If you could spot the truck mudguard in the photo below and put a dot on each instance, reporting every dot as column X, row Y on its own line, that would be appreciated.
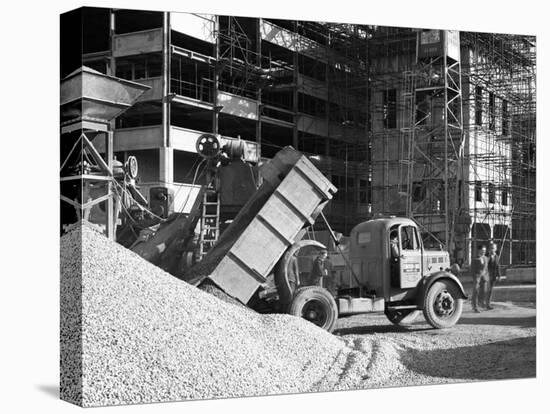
column 281, row 269
column 430, row 280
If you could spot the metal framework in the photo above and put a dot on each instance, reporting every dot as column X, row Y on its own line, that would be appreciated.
column 437, row 150
column 461, row 159
column 501, row 72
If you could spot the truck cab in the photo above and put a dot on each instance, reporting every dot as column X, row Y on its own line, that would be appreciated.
column 387, row 254
column 392, row 271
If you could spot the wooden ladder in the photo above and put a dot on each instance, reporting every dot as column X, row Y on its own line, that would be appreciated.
column 209, row 222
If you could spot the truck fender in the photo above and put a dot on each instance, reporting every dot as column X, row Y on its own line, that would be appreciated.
column 430, row 280
column 281, row 269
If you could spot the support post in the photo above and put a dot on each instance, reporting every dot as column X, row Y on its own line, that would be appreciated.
column 111, row 220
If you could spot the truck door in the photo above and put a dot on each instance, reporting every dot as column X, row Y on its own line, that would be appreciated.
column 410, row 259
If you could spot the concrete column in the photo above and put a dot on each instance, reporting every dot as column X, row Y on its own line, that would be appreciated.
column 166, row 79
column 112, row 62
column 166, row 165
column 166, row 159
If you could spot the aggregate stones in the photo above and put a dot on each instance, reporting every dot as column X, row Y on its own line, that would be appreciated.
column 146, row 336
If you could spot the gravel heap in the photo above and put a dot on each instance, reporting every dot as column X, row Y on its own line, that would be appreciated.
column 147, row 336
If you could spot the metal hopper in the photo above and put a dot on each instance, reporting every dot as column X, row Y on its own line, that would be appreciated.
column 89, row 95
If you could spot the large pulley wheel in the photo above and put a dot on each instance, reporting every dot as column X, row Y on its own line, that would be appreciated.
column 131, row 167
column 443, row 304
column 316, row 305
column 402, row 317
column 208, row 146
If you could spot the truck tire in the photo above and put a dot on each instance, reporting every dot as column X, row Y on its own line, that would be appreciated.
column 316, row 305
column 403, row 317
column 443, row 304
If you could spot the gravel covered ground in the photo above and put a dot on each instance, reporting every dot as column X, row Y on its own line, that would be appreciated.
column 494, row 344
column 147, row 336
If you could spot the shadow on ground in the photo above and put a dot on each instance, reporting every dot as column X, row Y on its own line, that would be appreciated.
column 373, row 329
column 49, row 389
column 366, row 327
column 515, row 358
column 523, row 322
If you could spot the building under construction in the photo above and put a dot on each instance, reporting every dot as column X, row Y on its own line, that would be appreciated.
column 436, row 125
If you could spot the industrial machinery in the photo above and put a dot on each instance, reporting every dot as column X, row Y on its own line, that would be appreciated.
column 93, row 184
column 98, row 188
column 173, row 243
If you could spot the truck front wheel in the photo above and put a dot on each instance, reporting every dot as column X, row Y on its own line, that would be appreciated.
column 316, row 305
column 443, row 304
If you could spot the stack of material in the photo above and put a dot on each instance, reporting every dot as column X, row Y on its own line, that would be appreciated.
column 147, row 336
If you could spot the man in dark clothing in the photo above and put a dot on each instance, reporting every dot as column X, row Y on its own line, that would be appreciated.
column 319, row 270
column 394, row 264
column 394, row 245
column 480, row 275
column 293, row 273
column 494, row 273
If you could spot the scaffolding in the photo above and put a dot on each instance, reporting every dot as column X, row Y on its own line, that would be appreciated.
column 325, row 81
column 453, row 139
column 392, row 108
column 501, row 72
column 446, row 139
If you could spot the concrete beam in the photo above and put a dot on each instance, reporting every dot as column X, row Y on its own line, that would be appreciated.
column 238, row 106
column 146, row 41
column 128, row 139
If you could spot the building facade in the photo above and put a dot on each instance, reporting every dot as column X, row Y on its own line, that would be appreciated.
column 269, row 83
column 435, row 125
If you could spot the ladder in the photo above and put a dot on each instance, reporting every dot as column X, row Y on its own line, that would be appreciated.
column 209, row 222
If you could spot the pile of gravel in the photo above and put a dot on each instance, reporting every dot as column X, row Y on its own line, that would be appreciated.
column 147, row 336
column 131, row 333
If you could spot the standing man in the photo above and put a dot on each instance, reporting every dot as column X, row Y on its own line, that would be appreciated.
column 480, row 275
column 394, row 245
column 319, row 269
column 293, row 273
column 494, row 272
column 394, row 264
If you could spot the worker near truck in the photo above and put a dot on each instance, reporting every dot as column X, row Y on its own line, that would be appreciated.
column 394, row 245
column 480, row 275
column 493, row 266
column 394, row 258
column 293, row 273
column 319, row 268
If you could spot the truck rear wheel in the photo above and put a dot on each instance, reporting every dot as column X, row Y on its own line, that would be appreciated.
column 443, row 304
column 402, row 317
column 316, row 305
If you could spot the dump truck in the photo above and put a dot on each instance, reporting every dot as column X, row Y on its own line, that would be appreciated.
column 389, row 269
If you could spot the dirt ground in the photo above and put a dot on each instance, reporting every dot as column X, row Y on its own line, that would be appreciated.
column 493, row 344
